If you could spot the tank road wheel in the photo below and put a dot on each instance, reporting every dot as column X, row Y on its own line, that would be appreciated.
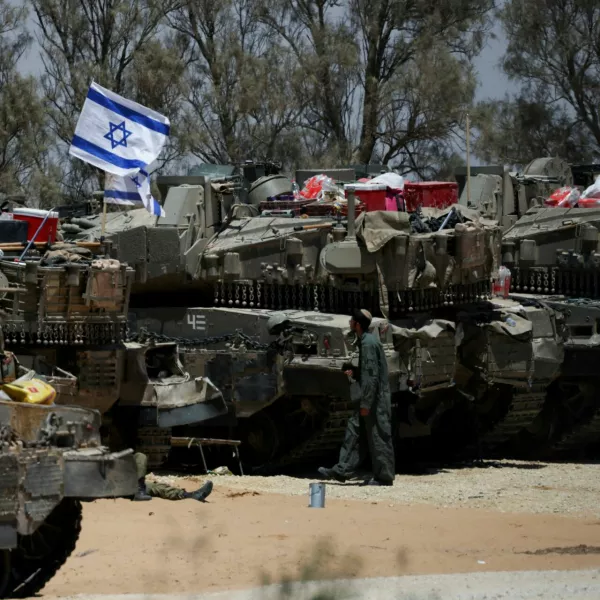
column 260, row 440
column 40, row 555
column 579, row 418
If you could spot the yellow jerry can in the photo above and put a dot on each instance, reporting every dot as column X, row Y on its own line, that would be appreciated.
column 31, row 391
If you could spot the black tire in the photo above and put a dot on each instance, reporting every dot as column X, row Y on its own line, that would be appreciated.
column 39, row 556
column 260, row 440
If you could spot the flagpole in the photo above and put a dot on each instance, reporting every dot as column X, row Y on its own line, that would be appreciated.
column 103, row 218
column 468, row 162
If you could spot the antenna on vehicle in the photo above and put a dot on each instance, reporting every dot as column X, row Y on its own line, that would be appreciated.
column 468, row 161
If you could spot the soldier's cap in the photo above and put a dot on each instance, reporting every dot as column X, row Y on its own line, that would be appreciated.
column 363, row 317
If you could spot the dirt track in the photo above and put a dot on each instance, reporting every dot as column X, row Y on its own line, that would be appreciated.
column 246, row 530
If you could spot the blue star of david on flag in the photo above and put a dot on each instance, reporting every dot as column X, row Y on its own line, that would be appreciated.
column 110, row 136
column 136, row 134
column 136, row 180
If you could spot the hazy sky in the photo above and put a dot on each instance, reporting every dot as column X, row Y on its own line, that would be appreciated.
column 492, row 82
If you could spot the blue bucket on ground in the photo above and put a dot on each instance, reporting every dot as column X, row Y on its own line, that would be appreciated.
column 316, row 493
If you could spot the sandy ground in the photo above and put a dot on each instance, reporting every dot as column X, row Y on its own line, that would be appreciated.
column 513, row 517
column 513, row 585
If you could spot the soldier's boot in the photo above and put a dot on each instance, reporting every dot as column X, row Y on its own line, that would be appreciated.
column 376, row 482
column 203, row 493
column 331, row 474
column 141, row 494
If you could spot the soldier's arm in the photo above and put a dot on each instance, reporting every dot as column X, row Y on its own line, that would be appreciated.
column 348, row 366
column 369, row 376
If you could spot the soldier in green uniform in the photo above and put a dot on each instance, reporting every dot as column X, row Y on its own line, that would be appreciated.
column 161, row 490
column 371, row 426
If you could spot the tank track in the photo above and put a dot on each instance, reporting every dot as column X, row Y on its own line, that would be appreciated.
column 524, row 408
column 26, row 579
column 526, row 405
column 584, row 433
column 326, row 440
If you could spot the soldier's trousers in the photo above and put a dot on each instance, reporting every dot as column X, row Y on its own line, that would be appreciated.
column 372, row 434
column 158, row 490
column 164, row 491
column 352, row 452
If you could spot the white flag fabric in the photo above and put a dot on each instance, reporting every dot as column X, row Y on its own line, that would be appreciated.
column 132, row 190
column 117, row 135
column 121, row 190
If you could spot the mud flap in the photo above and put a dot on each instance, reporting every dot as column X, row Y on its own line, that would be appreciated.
column 94, row 473
column 184, row 403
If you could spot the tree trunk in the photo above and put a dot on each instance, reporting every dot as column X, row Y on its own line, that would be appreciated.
column 368, row 136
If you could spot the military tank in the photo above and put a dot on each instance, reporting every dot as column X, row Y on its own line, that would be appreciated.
column 554, row 259
column 51, row 460
column 552, row 254
column 66, row 308
column 505, row 196
column 468, row 372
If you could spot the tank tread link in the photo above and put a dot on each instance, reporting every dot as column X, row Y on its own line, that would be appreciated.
column 327, row 439
column 522, row 412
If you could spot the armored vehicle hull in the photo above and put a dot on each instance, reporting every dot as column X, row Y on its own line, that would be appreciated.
column 468, row 372
column 463, row 379
column 554, row 257
column 67, row 311
column 50, row 461
column 569, row 424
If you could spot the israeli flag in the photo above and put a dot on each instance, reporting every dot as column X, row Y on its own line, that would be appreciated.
column 117, row 135
column 132, row 190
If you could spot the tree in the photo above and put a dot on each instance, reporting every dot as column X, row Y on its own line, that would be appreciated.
column 240, row 81
column 518, row 129
column 554, row 52
column 22, row 114
column 416, row 72
column 391, row 76
column 423, row 123
column 124, row 47
column 326, row 52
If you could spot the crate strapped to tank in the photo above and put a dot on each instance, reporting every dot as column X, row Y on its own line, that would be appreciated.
column 68, row 303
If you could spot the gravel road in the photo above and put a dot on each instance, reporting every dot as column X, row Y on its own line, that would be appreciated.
column 504, row 486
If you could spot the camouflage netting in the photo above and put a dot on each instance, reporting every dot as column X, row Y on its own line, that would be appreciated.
column 466, row 251
column 377, row 228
